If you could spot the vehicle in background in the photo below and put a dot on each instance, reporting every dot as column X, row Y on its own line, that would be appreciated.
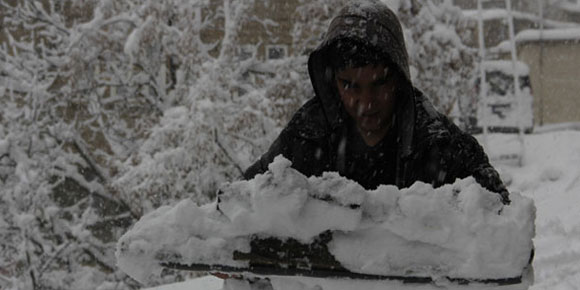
column 501, row 111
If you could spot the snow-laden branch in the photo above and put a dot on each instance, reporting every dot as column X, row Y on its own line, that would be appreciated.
column 229, row 152
column 56, row 253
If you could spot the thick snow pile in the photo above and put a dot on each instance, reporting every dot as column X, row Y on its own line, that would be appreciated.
column 458, row 230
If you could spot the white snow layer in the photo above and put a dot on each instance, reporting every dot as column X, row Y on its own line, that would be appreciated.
column 458, row 230
column 507, row 67
column 562, row 34
column 502, row 14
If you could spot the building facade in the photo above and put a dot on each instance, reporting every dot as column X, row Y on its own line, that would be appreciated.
column 547, row 40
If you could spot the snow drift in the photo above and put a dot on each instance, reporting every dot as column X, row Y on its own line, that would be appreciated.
column 457, row 230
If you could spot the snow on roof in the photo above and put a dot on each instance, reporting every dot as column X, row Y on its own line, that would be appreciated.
column 549, row 34
column 506, row 66
column 492, row 14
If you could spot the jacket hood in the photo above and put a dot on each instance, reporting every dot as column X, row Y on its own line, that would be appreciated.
column 371, row 23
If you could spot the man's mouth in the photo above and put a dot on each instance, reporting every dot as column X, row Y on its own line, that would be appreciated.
column 370, row 119
column 369, row 114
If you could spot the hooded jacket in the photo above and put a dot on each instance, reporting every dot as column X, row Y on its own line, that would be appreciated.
column 428, row 147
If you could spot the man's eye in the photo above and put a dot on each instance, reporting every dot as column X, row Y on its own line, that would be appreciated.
column 346, row 85
column 380, row 82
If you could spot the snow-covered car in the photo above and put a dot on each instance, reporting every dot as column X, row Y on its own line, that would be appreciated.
column 502, row 110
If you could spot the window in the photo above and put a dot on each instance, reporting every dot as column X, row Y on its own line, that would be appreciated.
column 246, row 51
column 277, row 51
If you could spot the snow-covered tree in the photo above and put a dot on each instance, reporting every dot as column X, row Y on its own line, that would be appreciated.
column 112, row 108
column 61, row 130
column 228, row 112
column 443, row 66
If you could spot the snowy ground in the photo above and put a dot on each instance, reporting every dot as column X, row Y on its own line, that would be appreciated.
column 550, row 174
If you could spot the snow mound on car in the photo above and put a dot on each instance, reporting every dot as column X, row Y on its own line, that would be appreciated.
column 457, row 230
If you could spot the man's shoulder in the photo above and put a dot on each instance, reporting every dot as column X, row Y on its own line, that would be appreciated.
column 431, row 125
column 424, row 107
column 309, row 122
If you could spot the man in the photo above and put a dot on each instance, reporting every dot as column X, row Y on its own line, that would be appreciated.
column 367, row 121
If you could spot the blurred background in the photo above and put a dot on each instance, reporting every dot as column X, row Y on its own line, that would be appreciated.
column 109, row 109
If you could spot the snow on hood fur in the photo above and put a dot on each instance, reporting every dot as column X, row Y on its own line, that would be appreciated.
column 372, row 23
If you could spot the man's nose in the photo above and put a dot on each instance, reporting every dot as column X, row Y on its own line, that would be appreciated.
column 366, row 99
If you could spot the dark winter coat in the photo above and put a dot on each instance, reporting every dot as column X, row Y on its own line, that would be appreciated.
column 423, row 145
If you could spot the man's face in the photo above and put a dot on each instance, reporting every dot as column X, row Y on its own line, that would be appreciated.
column 367, row 94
